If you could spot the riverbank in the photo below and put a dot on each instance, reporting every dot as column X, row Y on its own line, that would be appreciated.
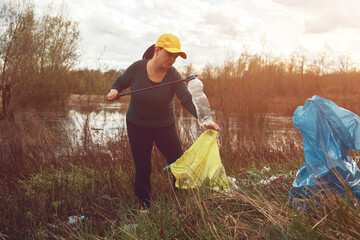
column 39, row 191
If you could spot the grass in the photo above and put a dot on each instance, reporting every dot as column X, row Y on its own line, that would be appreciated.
column 40, row 190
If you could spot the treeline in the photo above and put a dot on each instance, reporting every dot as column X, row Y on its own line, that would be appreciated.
column 273, row 78
column 87, row 81
column 245, row 77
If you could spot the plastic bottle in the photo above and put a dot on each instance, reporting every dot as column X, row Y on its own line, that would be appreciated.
column 200, row 101
column 73, row 222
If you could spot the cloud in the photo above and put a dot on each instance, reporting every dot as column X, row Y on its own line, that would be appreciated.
column 308, row 4
column 116, row 33
column 327, row 15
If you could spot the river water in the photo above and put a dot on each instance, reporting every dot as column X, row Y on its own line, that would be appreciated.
column 94, row 117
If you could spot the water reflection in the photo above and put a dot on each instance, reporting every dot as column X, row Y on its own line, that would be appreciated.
column 93, row 118
column 103, row 125
column 106, row 120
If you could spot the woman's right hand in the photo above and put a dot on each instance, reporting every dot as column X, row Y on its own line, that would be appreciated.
column 112, row 95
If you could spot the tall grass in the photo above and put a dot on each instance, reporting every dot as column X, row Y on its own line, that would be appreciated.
column 40, row 189
column 259, row 85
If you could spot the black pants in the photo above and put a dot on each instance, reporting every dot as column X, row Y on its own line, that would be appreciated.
column 141, row 143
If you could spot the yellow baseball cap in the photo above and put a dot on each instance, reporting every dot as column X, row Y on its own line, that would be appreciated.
column 171, row 44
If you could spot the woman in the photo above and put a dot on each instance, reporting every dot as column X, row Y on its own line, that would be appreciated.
column 150, row 117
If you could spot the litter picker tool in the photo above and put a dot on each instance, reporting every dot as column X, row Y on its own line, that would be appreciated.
column 191, row 77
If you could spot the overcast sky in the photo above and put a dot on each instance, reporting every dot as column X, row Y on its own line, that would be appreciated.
column 115, row 33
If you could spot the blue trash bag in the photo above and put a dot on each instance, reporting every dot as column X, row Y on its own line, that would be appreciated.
column 328, row 132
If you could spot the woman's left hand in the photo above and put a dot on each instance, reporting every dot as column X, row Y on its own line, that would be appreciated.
column 213, row 126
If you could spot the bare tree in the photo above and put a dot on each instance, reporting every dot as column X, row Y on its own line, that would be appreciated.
column 346, row 63
column 15, row 27
column 36, row 53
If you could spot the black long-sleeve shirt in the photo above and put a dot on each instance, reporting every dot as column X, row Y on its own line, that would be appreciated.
column 155, row 107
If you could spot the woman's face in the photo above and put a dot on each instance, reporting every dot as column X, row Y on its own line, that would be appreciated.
column 167, row 58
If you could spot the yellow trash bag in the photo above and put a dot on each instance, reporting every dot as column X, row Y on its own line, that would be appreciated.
column 201, row 165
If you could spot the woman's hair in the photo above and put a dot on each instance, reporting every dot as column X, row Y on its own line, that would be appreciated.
column 149, row 53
